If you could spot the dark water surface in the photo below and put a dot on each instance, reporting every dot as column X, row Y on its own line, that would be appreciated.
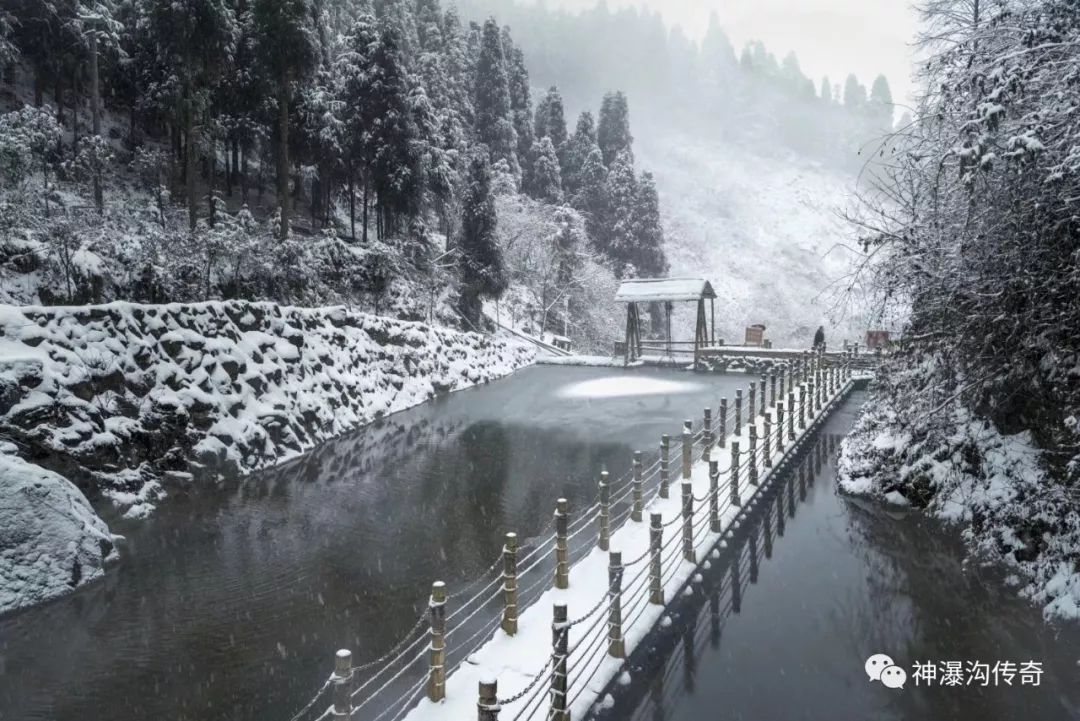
column 845, row 580
column 230, row 601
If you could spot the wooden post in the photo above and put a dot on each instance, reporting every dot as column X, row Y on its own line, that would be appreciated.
column 805, row 365
column 605, row 513
column 810, row 410
column 343, row 683
column 687, row 447
column 665, row 460
column 752, row 460
column 780, row 426
column 562, row 554
column 763, row 399
column 772, row 389
column 766, row 445
column 616, row 645
column 487, row 705
column 510, row 588
column 791, row 416
column 723, row 423
column 714, row 496
column 656, row 536
column 436, row 685
column 706, row 436
column 738, row 413
column 638, row 495
column 781, row 384
column 688, row 521
column 560, row 634
column 735, row 474
column 802, row 407
column 751, row 406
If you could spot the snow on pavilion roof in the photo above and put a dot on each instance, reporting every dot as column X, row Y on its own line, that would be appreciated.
column 641, row 290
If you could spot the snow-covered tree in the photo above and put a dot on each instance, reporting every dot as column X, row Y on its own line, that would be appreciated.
column 545, row 179
column 483, row 274
column 613, row 133
column 494, row 120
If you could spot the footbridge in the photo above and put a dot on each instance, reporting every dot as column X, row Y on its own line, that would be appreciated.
column 546, row 631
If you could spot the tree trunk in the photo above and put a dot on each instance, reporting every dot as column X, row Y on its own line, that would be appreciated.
column 95, row 114
column 365, row 179
column 75, row 110
column 189, row 157
column 352, row 205
column 283, row 154
column 243, row 175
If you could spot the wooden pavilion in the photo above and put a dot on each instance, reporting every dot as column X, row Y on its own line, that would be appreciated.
column 667, row 291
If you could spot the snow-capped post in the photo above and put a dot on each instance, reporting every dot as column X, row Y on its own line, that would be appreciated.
column 802, row 407
column 791, row 416
column 735, row 474
column 665, row 464
column 343, row 676
column 763, row 400
column 638, row 496
column 751, row 406
column 560, row 632
column 487, row 705
column 616, row 645
column 766, row 445
column 706, row 436
column 562, row 555
column 656, row 536
column 805, row 366
column 510, row 588
column 812, row 396
column 722, row 441
column 687, row 447
column 604, row 539
column 780, row 390
column 752, row 453
column 688, row 521
column 738, row 413
column 780, row 426
column 772, row 389
column 436, row 685
column 714, row 496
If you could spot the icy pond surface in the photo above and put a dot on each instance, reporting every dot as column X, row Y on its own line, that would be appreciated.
column 229, row 603
column 847, row 580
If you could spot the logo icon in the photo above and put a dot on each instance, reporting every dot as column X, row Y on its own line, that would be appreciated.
column 880, row 667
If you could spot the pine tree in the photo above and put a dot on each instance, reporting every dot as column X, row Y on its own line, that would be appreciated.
column 591, row 197
column 880, row 104
column 494, row 121
column 578, row 149
column 546, row 178
column 649, row 258
column 622, row 193
column 551, row 118
column 288, row 51
column 483, row 273
column 429, row 26
column 613, row 134
column 854, row 94
column 826, row 90
column 520, row 97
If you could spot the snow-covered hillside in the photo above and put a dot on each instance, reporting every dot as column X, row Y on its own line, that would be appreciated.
column 765, row 229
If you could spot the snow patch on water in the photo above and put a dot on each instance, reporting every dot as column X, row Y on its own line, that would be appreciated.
column 626, row 385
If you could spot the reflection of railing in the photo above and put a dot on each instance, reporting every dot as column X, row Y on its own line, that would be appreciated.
column 767, row 424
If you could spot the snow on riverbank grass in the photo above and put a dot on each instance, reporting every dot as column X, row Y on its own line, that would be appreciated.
column 992, row 487
column 515, row 661
column 51, row 541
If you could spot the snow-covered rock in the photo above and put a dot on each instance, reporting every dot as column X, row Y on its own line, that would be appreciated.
column 117, row 396
column 51, row 541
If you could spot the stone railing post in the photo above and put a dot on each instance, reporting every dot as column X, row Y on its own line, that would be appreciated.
column 604, row 536
column 487, row 703
column 766, row 442
column 802, row 407
column 510, row 587
column 436, row 684
column 665, row 464
column 562, row 552
column 616, row 645
column 343, row 684
column 714, row 496
column 707, row 436
column 722, row 441
column 638, row 492
column 734, row 473
column 687, row 447
column 656, row 537
column 688, row 521
column 811, row 400
column 780, row 390
column 791, row 416
column 780, row 426
column 763, row 401
column 738, row 413
column 752, row 461
column 560, row 634
column 751, row 406
column 772, row 389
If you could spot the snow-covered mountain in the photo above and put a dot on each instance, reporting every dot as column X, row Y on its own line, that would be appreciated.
column 765, row 228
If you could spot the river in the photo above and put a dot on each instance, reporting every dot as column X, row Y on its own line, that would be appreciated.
column 229, row 602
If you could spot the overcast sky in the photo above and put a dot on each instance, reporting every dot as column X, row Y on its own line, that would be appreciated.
column 832, row 37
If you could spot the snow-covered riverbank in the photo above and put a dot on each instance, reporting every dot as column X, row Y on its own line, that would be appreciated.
column 120, row 397
column 994, row 488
